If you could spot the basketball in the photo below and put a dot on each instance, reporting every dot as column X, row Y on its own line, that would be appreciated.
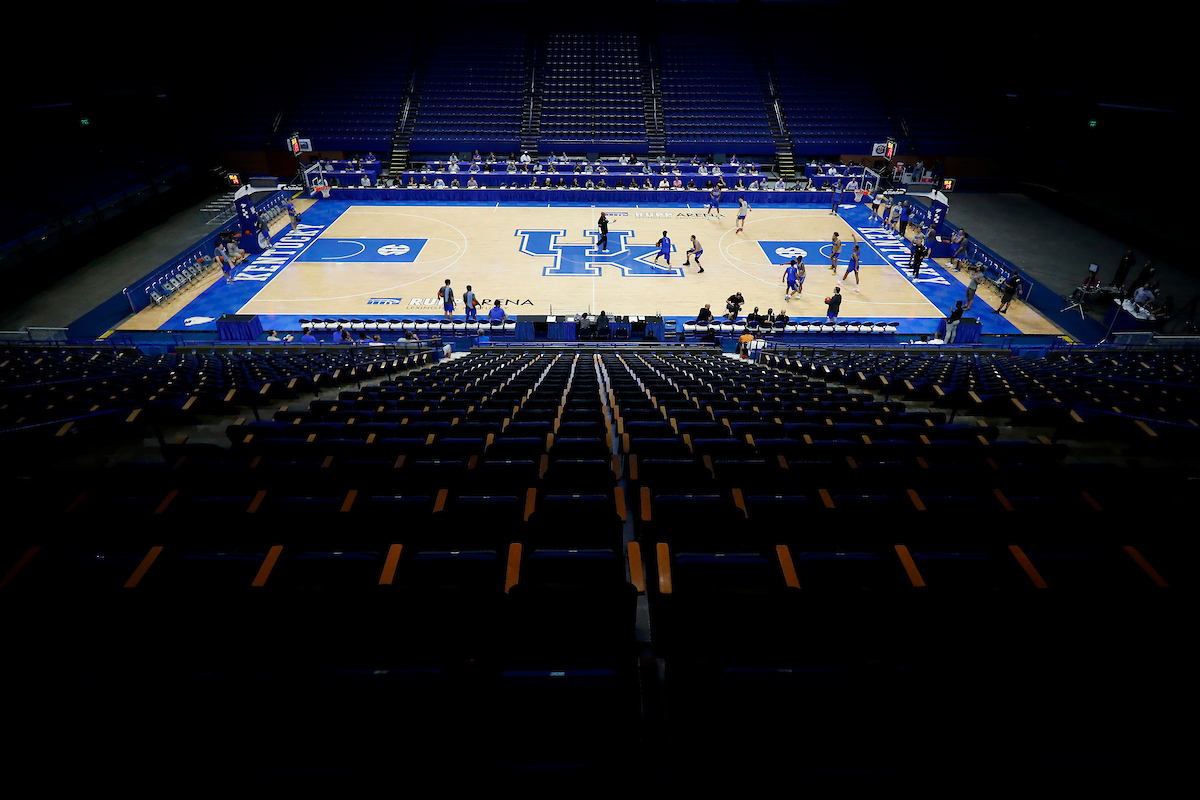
column 827, row 299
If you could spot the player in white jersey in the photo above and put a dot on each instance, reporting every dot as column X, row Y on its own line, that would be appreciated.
column 743, row 210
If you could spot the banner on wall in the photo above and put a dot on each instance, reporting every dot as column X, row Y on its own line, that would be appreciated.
column 250, row 239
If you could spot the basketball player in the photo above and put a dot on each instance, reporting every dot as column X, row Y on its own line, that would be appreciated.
column 664, row 250
column 875, row 206
column 837, row 250
column 714, row 201
column 837, row 191
column 291, row 212
column 793, row 278
column 602, row 223
column 470, row 303
column 447, row 296
column 743, row 210
column 697, row 250
column 853, row 267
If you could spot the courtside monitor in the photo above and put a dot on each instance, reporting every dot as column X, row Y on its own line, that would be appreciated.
column 948, row 184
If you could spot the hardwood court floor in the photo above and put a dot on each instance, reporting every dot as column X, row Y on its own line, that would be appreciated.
column 551, row 266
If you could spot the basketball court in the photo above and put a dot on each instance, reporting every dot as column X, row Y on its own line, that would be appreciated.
column 388, row 260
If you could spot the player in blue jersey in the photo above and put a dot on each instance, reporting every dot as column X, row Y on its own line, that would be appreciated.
column 696, row 250
column 664, row 250
column 791, row 279
column 853, row 267
column 714, row 201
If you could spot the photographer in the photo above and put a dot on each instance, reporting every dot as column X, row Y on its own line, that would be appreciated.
column 733, row 305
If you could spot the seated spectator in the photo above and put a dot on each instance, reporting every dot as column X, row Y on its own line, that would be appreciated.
column 695, row 160
column 620, row 183
column 453, row 158
column 721, row 183
column 538, row 168
column 578, row 169
column 562, row 183
column 412, row 181
column 425, row 182
column 753, row 187
column 602, row 184
column 553, row 170
column 733, row 160
column 590, row 184
column 716, row 170
column 497, row 313
column 476, row 158
column 648, row 185
column 708, row 185
column 306, row 337
column 739, row 186
column 675, row 170
column 454, row 167
column 439, row 183
column 741, row 170
column 454, row 184
column 691, row 184
column 511, row 165
column 547, row 184
column 345, row 338
column 1144, row 295
column 646, row 170
column 702, row 170
column 575, row 183
column 754, row 169
column 678, row 184
column 471, row 183
column 534, row 183
column 744, row 343
column 852, row 186
column 366, row 180
column 272, row 336
column 491, row 159
column 603, row 170
column 525, row 157
column 705, row 313
column 662, row 184
column 826, row 187
column 474, row 167
column 623, row 160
